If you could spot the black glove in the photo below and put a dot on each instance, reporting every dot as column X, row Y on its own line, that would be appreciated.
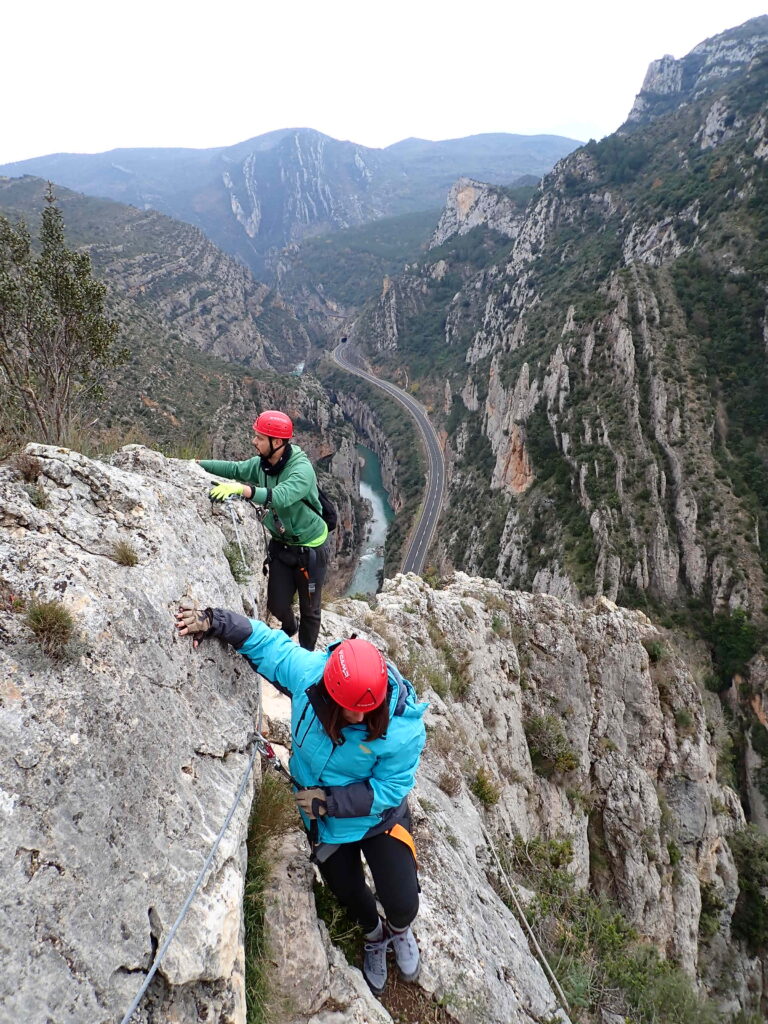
column 312, row 801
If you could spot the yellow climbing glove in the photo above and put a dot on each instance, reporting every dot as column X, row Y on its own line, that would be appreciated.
column 227, row 489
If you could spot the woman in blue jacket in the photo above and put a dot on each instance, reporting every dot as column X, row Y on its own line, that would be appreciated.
column 357, row 735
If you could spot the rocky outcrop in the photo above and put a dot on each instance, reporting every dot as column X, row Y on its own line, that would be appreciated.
column 669, row 81
column 471, row 204
column 168, row 284
column 124, row 753
column 597, row 356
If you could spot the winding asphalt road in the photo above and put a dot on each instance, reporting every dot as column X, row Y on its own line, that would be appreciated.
column 426, row 521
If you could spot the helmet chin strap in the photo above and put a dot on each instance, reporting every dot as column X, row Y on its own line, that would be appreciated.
column 275, row 448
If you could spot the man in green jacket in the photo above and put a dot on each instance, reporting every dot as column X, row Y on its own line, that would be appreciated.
column 282, row 479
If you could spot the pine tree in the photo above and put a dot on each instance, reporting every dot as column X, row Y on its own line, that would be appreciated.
column 56, row 341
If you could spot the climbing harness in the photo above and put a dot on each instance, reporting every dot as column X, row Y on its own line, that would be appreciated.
column 400, row 832
column 524, row 921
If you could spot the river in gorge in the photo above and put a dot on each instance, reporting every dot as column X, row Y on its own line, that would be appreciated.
column 366, row 577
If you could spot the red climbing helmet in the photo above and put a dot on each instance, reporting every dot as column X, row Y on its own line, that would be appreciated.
column 356, row 675
column 274, row 424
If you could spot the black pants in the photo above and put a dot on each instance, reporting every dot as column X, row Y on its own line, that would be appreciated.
column 286, row 578
column 394, row 875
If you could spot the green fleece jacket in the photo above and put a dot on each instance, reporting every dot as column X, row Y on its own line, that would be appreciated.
column 302, row 525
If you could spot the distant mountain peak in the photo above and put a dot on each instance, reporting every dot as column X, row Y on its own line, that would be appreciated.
column 669, row 82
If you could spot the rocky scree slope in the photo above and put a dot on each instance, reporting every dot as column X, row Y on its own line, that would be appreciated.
column 601, row 377
column 123, row 752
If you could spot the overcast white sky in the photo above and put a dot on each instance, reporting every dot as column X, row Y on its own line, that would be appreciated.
column 91, row 75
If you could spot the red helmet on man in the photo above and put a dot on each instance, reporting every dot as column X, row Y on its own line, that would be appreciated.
column 274, row 424
column 355, row 675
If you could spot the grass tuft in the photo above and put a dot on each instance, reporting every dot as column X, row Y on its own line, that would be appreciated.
column 273, row 814
column 53, row 626
column 124, row 553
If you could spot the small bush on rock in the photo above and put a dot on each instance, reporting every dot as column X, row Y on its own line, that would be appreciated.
column 484, row 788
column 52, row 624
column 124, row 553
column 548, row 745
column 750, row 916
column 37, row 495
column 28, row 466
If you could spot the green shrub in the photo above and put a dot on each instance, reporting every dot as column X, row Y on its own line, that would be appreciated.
column 684, row 722
column 712, row 906
column 53, row 626
column 37, row 495
column 548, row 745
column 734, row 641
column 655, row 649
column 124, row 553
column 484, row 788
column 237, row 566
column 750, row 916
column 596, row 955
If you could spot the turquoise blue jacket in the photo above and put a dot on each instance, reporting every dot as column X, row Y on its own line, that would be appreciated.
column 366, row 781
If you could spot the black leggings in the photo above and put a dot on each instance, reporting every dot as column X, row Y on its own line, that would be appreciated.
column 285, row 580
column 394, row 875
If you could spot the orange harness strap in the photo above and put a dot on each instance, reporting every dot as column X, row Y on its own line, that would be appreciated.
column 400, row 832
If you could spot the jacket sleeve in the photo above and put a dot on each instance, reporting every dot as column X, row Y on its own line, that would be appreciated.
column 392, row 779
column 295, row 484
column 276, row 657
column 242, row 471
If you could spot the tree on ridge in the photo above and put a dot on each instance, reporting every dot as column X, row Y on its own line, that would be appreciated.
column 56, row 341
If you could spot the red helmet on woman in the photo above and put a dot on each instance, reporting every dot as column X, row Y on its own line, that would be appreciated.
column 274, row 424
column 355, row 675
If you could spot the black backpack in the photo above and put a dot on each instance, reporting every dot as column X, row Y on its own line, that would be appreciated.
column 327, row 509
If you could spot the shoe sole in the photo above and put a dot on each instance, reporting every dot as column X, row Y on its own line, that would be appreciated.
column 410, row 977
column 376, row 991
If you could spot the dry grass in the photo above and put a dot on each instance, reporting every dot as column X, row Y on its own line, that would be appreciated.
column 124, row 553
column 53, row 626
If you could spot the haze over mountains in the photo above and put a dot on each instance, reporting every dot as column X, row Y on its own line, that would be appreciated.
column 255, row 197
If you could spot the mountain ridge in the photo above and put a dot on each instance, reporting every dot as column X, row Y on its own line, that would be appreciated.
column 255, row 197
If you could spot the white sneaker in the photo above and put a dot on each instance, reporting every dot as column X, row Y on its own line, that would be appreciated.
column 375, row 965
column 406, row 953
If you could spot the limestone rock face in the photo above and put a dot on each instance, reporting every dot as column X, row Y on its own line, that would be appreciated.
column 472, row 203
column 122, row 757
column 706, row 65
